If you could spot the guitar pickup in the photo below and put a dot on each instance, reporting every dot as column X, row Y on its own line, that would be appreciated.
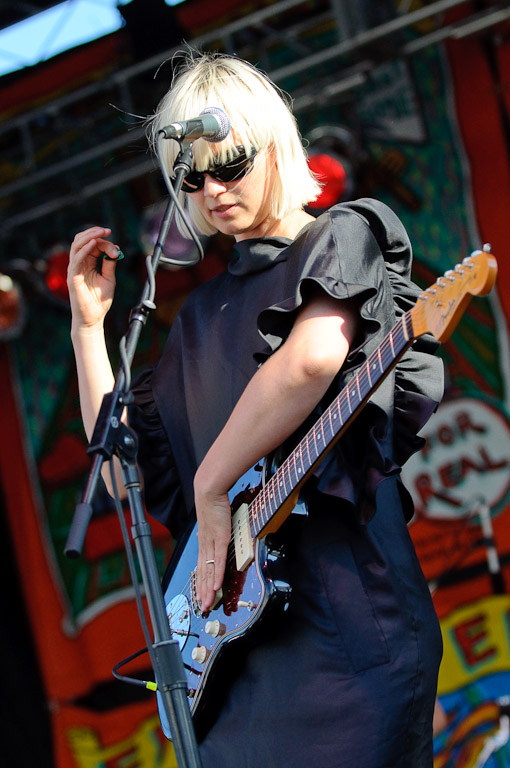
column 243, row 540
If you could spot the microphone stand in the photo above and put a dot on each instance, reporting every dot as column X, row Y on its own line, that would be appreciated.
column 112, row 436
column 491, row 553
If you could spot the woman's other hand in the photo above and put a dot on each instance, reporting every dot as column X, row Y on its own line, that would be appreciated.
column 91, row 291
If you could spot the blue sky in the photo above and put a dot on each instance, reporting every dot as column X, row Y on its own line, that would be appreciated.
column 58, row 29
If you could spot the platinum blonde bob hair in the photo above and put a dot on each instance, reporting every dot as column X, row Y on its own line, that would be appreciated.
column 261, row 118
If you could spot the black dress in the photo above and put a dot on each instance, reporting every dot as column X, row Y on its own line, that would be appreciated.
column 347, row 676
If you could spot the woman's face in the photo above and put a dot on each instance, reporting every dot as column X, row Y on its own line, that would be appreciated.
column 240, row 208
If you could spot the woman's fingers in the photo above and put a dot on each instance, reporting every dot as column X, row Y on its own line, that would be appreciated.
column 214, row 531
column 93, row 242
column 88, row 239
column 91, row 290
column 207, row 592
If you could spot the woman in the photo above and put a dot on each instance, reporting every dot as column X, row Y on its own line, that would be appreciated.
column 347, row 676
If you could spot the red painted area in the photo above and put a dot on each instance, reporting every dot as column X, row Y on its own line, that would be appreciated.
column 478, row 109
column 72, row 661
column 471, row 637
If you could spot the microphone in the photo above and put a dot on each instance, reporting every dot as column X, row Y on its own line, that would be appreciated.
column 213, row 124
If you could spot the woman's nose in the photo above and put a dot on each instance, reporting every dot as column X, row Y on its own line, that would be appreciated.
column 212, row 186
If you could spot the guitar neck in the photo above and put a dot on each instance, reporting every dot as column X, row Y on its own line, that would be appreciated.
column 265, row 510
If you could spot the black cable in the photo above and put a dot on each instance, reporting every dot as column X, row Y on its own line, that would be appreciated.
column 149, row 684
column 136, row 586
column 181, row 212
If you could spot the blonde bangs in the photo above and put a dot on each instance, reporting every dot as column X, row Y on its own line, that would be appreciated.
column 260, row 117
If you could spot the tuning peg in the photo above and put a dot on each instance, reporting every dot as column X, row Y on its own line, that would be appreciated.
column 467, row 262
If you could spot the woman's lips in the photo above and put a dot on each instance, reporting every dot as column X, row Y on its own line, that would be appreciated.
column 224, row 210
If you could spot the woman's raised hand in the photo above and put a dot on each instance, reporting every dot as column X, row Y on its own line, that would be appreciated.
column 90, row 291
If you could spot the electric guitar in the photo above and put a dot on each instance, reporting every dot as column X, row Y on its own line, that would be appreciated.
column 264, row 497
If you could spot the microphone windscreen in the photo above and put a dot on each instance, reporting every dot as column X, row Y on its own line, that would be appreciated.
column 224, row 121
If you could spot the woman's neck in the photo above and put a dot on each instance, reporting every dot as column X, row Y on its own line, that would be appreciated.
column 289, row 227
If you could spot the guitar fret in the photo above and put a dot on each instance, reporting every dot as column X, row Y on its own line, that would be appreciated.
column 315, row 443
column 345, row 409
column 330, row 424
column 278, row 491
column 349, row 397
column 402, row 332
column 318, row 439
column 358, row 383
column 302, row 469
column 253, row 516
column 288, row 472
column 259, row 510
column 262, row 507
column 307, row 443
column 270, row 493
column 267, row 507
column 407, row 322
column 281, row 487
column 387, row 354
column 296, row 471
column 368, row 375
column 287, row 477
column 338, row 414
column 374, row 369
column 364, row 382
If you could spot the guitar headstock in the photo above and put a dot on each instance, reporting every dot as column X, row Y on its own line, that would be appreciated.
column 440, row 307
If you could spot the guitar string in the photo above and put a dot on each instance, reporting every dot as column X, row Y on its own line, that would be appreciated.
column 342, row 400
column 405, row 324
column 267, row 493
column 252, row 512
column 266, row 496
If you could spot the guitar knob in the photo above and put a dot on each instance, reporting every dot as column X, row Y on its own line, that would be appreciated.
column 214, row 628
column 244, row 604
column 199, row 654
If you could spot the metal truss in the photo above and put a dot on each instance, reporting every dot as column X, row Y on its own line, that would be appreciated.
column 77, row 147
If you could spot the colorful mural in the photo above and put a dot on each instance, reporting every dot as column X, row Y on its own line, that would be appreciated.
column 444, row 168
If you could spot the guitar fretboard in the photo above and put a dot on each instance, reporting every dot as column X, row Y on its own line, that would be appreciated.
column 303, row 459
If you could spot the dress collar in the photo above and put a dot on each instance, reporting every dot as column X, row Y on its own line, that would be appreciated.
column 257, row 254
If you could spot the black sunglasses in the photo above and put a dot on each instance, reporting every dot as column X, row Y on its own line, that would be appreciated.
column 236, row 169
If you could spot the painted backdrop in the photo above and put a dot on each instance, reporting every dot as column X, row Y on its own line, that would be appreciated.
column 434, row 130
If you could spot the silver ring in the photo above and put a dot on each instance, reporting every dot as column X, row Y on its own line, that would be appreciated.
column 209, row 562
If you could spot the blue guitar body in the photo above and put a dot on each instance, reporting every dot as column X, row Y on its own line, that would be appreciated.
column 265, row 496
column 205, row 640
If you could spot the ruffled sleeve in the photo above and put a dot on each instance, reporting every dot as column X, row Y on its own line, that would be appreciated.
column 314, row 260
column 419, row 373
column 162, row 488
column 361, row 252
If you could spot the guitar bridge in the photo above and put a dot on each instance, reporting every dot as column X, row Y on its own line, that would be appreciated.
column 195, row 604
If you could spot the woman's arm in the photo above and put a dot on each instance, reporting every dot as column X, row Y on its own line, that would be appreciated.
column 91, row 295
column 279, row 397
